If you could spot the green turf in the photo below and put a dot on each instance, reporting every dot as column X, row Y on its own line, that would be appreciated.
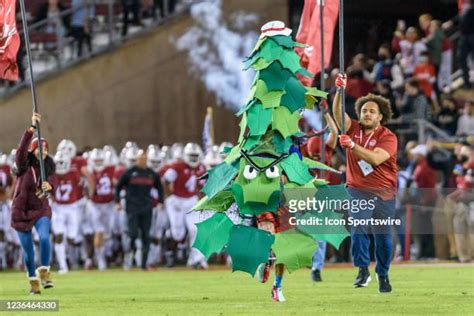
column 417, row 291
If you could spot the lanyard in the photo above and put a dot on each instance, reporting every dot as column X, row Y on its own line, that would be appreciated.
column 368, row 139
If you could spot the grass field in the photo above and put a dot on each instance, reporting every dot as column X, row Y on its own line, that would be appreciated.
column 418, row 290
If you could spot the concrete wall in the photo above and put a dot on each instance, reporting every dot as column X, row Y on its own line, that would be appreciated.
column 141, row 91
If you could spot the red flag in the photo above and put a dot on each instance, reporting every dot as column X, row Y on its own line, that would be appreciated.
column 309, row 33
column 9, row 41
column 305, row 22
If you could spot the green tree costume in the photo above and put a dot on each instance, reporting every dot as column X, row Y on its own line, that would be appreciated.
column 250, row 176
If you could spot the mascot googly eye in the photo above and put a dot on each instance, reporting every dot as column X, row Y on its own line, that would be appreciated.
column 272, row 172
column 250, row 172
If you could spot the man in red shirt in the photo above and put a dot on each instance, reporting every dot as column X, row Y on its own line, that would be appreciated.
column 371, row 154
column 422, row 208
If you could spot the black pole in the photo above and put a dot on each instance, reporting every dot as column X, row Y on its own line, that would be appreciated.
column 341, row 62
column 32, row 84
column 323, row 81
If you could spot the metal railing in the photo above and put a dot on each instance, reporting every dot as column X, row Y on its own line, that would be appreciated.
column 53, row 45
column 424, row 127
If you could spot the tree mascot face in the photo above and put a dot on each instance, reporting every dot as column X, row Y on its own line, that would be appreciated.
column 257, row 188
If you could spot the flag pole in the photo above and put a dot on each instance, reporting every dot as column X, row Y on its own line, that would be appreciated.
column 211, row 124
column 323, row 80
column 341, row 62
column 32, row 85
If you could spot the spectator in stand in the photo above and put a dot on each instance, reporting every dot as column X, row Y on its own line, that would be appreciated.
column 130, row 6
column 447, row 118
column 398, row 36
column 81, row 22
column 407, row 164
column 411, row 49
column 425, row 178
column 462, row 219
column 55, row 24
column 384, row 89
column 387, row 69
column 425, row 74
column 446, row 59
column 161, row 5
column 424, row 22
column 434, row 43
column 414, row 104
column 443, row 161
column 51, row 9
column 466, row 40
column 434, row 38
column 358, row 77
column 466, row 120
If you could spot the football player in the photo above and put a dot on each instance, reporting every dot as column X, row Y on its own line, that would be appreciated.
column 101, row 204
column 5, row 193
column 182, row 180
column 66, row 208
column 160, row 219
column 85, row 238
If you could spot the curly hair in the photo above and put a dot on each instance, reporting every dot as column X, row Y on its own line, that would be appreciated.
column 384, row 106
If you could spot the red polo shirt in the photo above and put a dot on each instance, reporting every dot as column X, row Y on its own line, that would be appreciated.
column 383, row 179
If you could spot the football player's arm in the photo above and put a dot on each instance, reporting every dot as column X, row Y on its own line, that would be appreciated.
column 90, row 184
column 87, row 180
column 157, row 184
column 169, row 178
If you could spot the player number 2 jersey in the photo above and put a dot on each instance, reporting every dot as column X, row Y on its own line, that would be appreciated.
column 104, row 188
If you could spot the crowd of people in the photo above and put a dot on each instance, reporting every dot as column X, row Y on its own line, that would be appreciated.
column 133, row 208
column 56, row 24
column 414, row 71
column 90, row 227
column 92, row 207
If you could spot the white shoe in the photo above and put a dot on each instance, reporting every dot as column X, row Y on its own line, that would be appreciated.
column 101, row 264
column 88, row 264
column 128, row 261
column 204, row 264
column 63, row 271
column 277, row 294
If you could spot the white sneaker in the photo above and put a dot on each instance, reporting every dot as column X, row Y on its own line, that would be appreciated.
column 63, row 271
column 277, row 294
column 101, row 264
column 88, row 264
column 128, row 261
column 204, row 264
